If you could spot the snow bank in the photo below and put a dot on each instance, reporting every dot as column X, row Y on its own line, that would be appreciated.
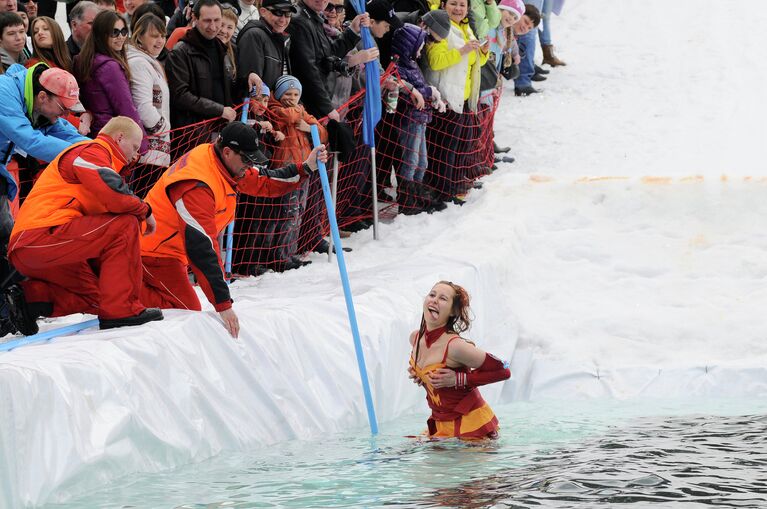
column 618, row 287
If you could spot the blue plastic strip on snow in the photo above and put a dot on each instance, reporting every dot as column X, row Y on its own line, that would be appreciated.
column 48, row 335
column 347, row 289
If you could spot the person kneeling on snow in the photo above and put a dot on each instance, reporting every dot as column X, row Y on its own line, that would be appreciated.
column 194, row 201
column 77, row 236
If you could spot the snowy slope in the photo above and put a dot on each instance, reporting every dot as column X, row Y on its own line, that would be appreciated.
column 611, row 260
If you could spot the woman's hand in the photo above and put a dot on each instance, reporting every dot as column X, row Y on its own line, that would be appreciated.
column 278, row 135
column 85, row 123
column 412, row 376
column 472, row 45
column 442, row 378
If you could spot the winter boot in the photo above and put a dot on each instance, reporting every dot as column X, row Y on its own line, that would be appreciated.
column 538, row 77
column 148, row 315
column 20, row 315
column 541, row 70
column 549, row 57
column 500, row 150
column 524, row 91
column 406, row 198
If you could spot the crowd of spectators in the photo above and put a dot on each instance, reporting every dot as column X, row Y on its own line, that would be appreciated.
column 165, row 71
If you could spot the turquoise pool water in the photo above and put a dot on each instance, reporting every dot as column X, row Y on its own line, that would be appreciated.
column 550, row 454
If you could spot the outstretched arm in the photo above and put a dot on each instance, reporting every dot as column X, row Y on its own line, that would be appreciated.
column 486, row 368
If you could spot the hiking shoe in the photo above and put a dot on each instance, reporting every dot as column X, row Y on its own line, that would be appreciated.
column 148, row 315
column 19, row 313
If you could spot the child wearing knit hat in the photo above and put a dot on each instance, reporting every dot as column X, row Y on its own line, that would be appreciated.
column 289, row 117
column 259, row 105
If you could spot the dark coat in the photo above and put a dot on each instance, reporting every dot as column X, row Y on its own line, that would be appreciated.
column 404, row 47
column 261, row 51
column 315, row 59
column 190, row 82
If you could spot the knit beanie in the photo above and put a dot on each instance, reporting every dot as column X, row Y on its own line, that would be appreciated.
column 264, row 89
column 439, row 21
column 516, row 7
column 285, row 83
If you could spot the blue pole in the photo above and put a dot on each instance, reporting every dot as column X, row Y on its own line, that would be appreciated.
column 48, row 335
column 347, row 289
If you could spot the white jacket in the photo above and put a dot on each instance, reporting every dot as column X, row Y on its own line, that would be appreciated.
column 151, row 96
column 451, row 81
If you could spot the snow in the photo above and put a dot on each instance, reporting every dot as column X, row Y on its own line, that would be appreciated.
column 621, row 256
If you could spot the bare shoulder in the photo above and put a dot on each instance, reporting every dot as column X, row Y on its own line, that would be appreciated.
column 413, row 336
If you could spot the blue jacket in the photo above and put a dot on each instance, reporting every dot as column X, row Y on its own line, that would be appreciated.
column 17, row 133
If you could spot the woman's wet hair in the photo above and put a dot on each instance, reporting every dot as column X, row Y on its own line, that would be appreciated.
column 460, row 311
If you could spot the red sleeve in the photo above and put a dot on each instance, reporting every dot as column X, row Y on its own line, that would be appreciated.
column 196, row 208
column 273, row 183
column 492, row 370
column 92, row 167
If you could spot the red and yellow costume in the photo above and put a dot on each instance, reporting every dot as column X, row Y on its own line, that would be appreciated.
column 455, row 411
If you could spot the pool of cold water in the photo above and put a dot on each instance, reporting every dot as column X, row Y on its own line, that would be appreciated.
column 550, row 454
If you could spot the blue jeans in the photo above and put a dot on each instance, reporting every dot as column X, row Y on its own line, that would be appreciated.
column 527, row 55
column 545, row 35
column 413, row 139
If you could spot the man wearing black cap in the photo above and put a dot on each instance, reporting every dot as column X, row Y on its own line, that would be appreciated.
column 316, row 59
column 263, row 45
column 193, row 202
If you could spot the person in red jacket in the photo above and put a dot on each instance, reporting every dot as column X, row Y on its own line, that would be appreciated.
column 76, row 237
column 194, row 201
column 451, row 368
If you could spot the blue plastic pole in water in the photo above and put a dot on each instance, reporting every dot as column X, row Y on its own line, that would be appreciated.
column 48, row 335
column 347, row 289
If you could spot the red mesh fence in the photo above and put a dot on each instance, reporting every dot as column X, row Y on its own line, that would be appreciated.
column 273, row 233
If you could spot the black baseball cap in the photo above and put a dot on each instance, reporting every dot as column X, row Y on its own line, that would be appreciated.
column 382, row 10
column 243, row 139
column 279, row 4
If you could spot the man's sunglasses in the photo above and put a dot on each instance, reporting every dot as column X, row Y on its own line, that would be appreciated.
column 283, row 13
column 338, row 8
column 118, row 32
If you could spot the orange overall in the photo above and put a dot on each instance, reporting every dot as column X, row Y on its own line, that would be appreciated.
column 455, row 412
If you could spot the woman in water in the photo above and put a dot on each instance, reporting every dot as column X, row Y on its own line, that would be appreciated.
column 451, row 367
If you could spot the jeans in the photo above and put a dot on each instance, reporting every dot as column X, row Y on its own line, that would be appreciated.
column 527, row 64
column 413, row 140
column 545, row 35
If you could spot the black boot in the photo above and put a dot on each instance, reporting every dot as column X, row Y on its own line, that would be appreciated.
column 538, row 77
column 500, row 150
column 524, row 91
column 148, row 315
column 541, row 70
column 20, row 315
column 407, row 198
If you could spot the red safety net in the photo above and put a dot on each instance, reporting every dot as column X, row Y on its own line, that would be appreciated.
column 273, row 233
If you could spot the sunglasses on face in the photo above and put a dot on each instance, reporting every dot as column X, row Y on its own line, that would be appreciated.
column 338, row 8
column 117, row 32
column 283, row 13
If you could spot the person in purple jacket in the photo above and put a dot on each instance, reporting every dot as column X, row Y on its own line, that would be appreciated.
column 102, row 70
column 406, row 45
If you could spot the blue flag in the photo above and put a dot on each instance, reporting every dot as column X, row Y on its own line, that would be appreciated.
column 371, row 114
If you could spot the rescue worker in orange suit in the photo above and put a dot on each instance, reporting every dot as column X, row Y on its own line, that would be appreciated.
column 194, row 201
column 76, row 237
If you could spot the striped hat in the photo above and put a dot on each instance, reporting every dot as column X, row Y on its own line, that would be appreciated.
column 285, row 83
